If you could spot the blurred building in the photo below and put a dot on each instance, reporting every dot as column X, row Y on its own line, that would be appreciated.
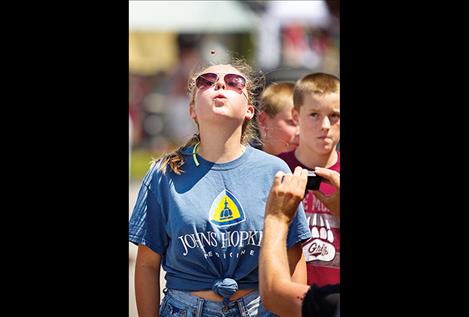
column 297, row 38
column 285, row 39
column 167, row 39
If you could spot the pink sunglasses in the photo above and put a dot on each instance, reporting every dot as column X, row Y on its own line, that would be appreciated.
column 209, row 79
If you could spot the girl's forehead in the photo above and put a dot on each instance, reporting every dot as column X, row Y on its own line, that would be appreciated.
column 221, row 69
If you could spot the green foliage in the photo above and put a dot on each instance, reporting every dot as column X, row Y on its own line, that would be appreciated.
column 140, row 162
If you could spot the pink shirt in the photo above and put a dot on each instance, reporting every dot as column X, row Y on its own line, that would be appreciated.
column 322, row 251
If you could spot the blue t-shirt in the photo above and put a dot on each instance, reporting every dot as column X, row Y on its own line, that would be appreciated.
column 207, row 223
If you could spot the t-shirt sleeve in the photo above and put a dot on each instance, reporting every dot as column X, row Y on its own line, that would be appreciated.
column 147, row 223
column 298, row 231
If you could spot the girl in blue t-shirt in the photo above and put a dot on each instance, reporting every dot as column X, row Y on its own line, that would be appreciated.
column 200, row 209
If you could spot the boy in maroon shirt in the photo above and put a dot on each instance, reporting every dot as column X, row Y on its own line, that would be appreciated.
column 316, row 102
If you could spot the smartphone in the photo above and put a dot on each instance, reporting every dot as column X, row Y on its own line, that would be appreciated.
column 313, row 181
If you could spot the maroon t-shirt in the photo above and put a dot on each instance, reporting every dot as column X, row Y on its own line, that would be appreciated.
column 322, row 251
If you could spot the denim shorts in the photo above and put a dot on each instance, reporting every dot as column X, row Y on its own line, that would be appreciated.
column 184, row 304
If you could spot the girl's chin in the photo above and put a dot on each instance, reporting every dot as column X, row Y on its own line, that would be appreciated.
column 222, row 116
column 224, row 112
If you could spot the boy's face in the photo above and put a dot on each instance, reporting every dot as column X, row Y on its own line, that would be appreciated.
column 319, row 120
column 280, row 133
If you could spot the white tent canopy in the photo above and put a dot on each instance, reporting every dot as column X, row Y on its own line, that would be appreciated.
column 313, row 13
column 191, row 16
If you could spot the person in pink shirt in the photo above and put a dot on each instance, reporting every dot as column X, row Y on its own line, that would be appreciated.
column 280, row 294
column 316, row 100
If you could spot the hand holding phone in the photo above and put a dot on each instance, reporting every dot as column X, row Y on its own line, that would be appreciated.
column 313, row 181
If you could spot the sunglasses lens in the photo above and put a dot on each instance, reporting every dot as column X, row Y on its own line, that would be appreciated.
column 236, row 81
column 209, row 79
column 206, row 80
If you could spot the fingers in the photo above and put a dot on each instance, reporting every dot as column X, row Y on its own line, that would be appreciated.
column 298, row 170
column 278, row 178
column 298, row 179
column 332, row 176
column 296, row 182
column 302, row 178
column 300, row 173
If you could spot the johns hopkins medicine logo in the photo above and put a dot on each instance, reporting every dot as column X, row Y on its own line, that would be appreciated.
column 226, row 210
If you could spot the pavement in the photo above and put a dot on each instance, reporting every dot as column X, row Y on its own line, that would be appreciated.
column 133, row 192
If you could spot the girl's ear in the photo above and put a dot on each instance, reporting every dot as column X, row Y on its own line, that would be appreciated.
column 249, row 112
column 192, row 112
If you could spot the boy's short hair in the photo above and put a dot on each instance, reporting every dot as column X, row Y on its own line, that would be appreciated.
column 275, row 97
column 317, row 83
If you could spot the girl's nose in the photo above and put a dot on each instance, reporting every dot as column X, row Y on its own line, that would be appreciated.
column 219, row 84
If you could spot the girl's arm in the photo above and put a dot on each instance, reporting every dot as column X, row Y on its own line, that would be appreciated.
column 147, row 282
column 279, row 293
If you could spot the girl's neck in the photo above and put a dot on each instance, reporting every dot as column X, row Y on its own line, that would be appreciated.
column 220, row 146
column 313, row 159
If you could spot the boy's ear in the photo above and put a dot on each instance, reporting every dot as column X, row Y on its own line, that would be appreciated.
column 295, row 115
column 261, row 118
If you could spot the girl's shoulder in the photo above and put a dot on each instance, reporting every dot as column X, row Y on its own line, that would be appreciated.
column 265, row 159
column 160, row 167
column 155, row 172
